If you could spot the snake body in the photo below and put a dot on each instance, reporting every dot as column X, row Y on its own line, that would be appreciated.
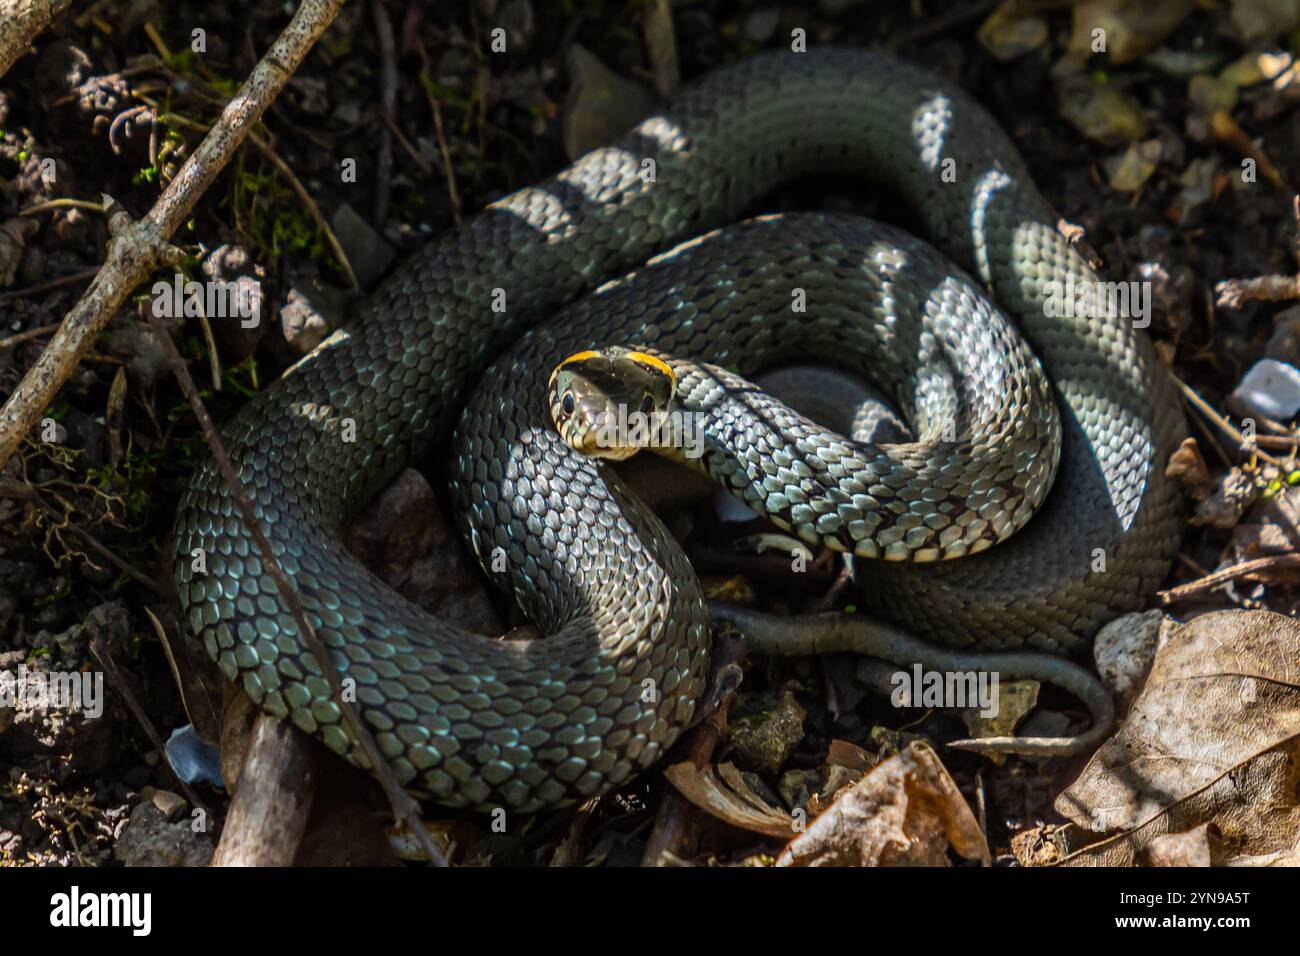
column 478, row 722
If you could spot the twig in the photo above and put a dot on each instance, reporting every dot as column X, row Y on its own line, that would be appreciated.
column 937, row 25
column 411, row 151
column 405, row 809
column 63, row 203
column 1211, row 581
column 314, row 210
column 1227, row 131
column 70, row 279
column 1235, row 293
column 1206, row 409
column 214, row 354
column 136, row 249
column 388, row 105
column 449, row 171
column 673, row 823
column 22, row 337
column 105, row 658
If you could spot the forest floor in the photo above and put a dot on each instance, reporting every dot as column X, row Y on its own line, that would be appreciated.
column 1176, row 151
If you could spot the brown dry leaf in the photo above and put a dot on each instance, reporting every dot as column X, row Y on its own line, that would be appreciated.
column 905, row 812
column 843, row 753
column 721, row 792
column 1039, row 846
column 1105, row 114
column 1187, row 467
column 1211, row 739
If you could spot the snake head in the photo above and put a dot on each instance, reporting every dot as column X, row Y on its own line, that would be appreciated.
column 605, row 403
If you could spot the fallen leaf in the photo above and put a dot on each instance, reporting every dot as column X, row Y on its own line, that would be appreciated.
column 905, row 812
column 721, row 792
column 1187, row 467
column 1212, row 738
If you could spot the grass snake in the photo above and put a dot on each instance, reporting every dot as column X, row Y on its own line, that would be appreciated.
column 478, row 722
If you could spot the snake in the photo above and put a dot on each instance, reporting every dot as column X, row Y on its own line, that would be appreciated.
column 641, row 244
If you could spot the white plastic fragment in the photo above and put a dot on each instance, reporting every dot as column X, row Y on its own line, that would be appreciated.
column 1270, row 388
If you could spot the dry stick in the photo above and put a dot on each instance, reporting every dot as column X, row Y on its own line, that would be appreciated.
column 939, row 25
column 70, row 279
column 405, row 143
column 51, row 204
column 136, row 249
column 388, row 101
column 313, row 210
column 1206, row 409
column 21, row 21
column 1227, row 131
column 22, row 337
column 105, row 658
column 273, row 799
column 426, row 82
column 1210, row 581
column 1235, row 293
column 405, row 809
column 677, row 815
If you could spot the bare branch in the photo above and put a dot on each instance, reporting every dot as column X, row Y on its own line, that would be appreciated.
column 136, row 249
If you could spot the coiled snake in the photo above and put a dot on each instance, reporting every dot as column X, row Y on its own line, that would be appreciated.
column 478, row 722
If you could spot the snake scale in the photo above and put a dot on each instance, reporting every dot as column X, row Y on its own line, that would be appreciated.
column 478, row 722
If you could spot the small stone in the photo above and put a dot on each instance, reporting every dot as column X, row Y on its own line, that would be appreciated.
column 302, row 322
column 172, row 805
column 761, row 24
column 139, row 349
column 1104, row 114
column 150, row 840
column 1124, row 651
column 369, row 255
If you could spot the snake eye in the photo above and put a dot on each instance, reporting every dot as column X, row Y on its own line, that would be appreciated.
column 647, row 404
column 566, row 403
